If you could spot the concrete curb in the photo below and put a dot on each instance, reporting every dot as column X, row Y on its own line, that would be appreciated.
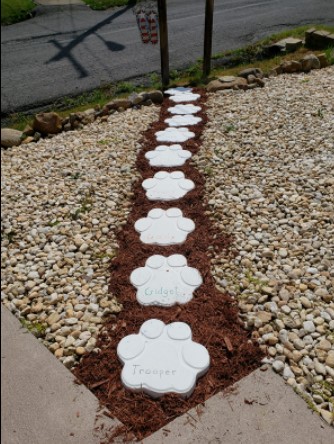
column 42, row 404
column 259, row 409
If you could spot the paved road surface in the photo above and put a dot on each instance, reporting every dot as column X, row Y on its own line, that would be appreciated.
column 68, row 50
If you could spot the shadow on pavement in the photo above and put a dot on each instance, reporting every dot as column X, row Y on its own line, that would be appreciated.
column 65, row 52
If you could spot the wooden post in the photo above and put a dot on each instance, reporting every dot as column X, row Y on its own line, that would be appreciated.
column 209, row 5
column 164, row 51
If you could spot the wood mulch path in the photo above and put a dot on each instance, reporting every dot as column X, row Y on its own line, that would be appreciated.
column 212, row 315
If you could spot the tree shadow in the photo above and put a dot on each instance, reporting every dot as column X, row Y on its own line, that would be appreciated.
column 65, row 52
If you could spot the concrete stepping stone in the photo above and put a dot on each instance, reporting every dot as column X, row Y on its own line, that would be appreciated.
column 189, row 97
column 174, row 135
column 165, row 281
column 164, row 227
column 184, row 109
column 168, row 156
column 178, row 90
column 162, row 359
column 167, row 186
column 184, row 120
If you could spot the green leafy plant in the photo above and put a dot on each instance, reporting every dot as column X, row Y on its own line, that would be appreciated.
column 330, row 55
column 208, row 171
column 54, row 223
column 75, row 176
column 124, row 87
column 229, row 128
column 36, row 328
column 9, row 236
column 86, row 204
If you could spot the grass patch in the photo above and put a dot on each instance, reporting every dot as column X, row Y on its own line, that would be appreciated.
column 13, row 11
column 99, row 5
column 296, row 32
column 330, row 55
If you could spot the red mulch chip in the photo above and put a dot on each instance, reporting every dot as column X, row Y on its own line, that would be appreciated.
column 212, row 315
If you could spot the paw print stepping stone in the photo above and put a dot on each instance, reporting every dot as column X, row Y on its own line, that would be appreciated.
column 174, row 135
column 162, row 359
column 168, row 156
column 178, row 90
column 186, row 97
column 167, row 186
column 165, row 281
column 185, row 120
column 184, row 109
column 164, row 228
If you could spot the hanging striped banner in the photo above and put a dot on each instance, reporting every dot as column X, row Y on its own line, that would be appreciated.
column 153, row 25
column 148, row 24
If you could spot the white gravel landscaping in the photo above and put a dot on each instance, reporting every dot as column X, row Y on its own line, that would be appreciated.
column 63, row 200
column 268, row 158
column 268, row 155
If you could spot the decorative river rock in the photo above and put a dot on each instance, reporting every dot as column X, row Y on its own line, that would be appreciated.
column 165, row 281
column 164, row 228
column 168, row 156
column 162, row 359
column 167, row 186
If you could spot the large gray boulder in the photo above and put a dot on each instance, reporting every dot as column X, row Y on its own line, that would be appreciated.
column 10, row 137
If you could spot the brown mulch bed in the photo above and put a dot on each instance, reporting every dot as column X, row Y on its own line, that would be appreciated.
column 212, row 316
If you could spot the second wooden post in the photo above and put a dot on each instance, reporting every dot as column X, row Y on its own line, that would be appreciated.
column 209, row 5
column 164, row 51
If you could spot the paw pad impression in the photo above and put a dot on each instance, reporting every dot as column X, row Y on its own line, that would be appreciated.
column 167, row 186
column 164, row 228
column 174, row 135
column 162, row 359
column 168, row 156
column 165, row 281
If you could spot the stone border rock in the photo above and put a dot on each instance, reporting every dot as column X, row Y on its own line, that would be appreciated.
column 254, row 77
column 49, row 124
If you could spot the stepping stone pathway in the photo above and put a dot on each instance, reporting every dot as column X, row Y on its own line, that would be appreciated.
column 167, row 186
column 165, row 281
column 168, row 156
column 162, row 358
column 162, row 276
